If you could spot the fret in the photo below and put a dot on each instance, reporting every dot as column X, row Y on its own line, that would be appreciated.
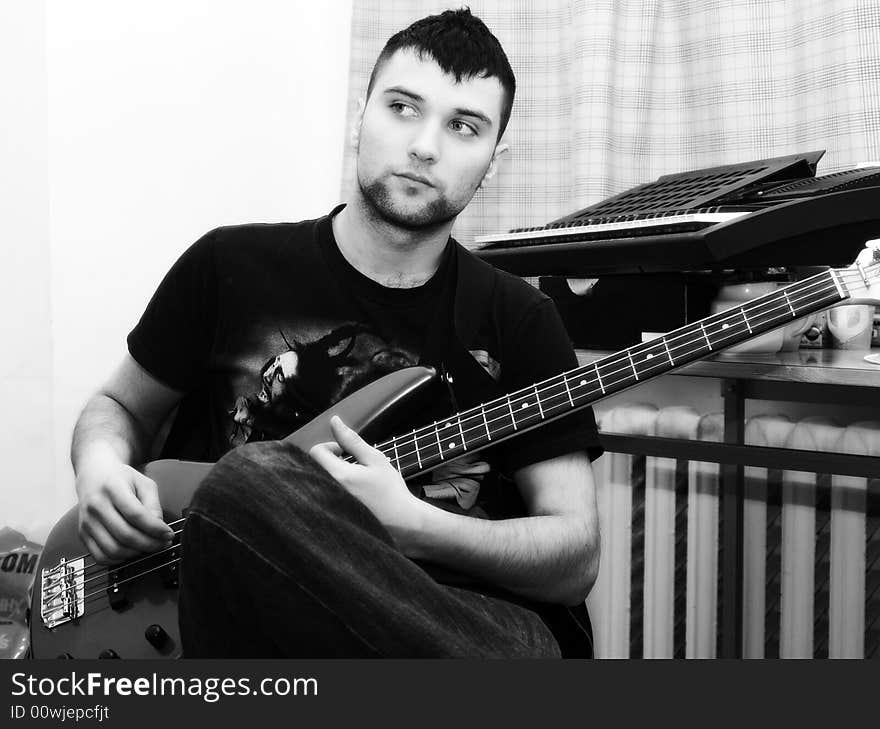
column 568, row 390
column 553, row 395
column 864, row 275
column 471, row 429
column 633, row 365
column 461, row 430
column 642, row 357
column 706, row 336
column 745, row 319
column 512, row 416
column 788, row 301
column 396, row 455
column 602, row 387
column 524, row 405
column 439, row 445
column 416, row 444
column 716, row 326
column 668, row 353
column 486, row 423
column 538, row 400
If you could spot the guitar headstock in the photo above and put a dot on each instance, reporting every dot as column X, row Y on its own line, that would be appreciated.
column 862, row 278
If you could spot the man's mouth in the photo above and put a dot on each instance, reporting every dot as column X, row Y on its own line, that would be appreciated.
column 415, row 178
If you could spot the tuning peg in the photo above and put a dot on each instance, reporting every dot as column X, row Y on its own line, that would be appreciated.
column 869, row 254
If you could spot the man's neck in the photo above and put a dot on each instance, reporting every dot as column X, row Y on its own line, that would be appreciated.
column 388, row 254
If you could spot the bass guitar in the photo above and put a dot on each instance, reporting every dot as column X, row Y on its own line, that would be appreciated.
column 85, row 610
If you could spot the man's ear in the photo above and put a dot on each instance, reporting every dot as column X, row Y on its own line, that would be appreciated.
column 500, row 150
column 357, row 122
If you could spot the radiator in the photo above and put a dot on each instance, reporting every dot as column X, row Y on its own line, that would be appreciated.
column 811, row 556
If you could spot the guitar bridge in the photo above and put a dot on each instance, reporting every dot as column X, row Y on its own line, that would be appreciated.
column 62, row 597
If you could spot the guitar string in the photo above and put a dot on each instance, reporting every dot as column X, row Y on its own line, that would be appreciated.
column 122, row 565
column 411, row 439
column 137, row 560
column 88, row 598
column 428, row 431
column 404, row 460
column 824, row 286
column 95, row 596
column 105, row 572
column 853, row 275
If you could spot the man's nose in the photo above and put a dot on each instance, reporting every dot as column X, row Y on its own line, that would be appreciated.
column 425, row 145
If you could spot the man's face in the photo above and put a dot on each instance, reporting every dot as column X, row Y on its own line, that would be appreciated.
column 426, row 142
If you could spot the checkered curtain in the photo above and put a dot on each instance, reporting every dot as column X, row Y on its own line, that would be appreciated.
column 614, row 93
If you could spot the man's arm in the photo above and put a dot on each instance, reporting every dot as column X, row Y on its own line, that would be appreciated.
column 552, row 555
column 119, row 510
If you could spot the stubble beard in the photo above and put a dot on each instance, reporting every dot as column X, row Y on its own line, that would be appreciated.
column 430, row 215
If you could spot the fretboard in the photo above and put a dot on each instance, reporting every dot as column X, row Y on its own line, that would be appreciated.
column 489, row 423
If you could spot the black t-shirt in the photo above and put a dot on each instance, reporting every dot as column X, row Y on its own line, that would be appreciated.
column 266, row 326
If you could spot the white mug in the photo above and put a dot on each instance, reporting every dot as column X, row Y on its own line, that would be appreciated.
column 850, row 326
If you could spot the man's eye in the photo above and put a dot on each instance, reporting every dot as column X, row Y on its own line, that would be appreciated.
column 463, row 128
column 401, row 109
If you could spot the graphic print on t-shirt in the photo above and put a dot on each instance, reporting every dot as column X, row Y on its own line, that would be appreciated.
column 306, row 378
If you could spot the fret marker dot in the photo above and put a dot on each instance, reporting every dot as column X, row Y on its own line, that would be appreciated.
column 525, row 404
column 724, row 326
column 448, row 425
column 583, row 382
column 452, row 444
column 649, row 356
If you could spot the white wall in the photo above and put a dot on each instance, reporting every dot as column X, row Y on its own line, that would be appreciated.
column 160, row 120
column 26, row 459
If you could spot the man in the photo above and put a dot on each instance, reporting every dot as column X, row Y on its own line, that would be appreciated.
column 259, row 328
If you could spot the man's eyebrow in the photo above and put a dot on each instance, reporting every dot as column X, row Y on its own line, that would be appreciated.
column 459, row 112
column 403, row 92
column 476, row 114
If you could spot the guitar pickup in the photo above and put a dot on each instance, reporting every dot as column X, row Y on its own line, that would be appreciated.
column 62, row 593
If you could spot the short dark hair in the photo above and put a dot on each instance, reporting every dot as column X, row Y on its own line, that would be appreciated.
column 462, row 46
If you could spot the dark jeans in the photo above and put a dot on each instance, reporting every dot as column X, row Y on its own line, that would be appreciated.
column 280, row 561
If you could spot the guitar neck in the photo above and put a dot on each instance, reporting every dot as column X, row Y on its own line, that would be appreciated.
column 529, row 408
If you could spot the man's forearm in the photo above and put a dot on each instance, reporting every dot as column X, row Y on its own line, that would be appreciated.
column 552, row 558
column 106, row 429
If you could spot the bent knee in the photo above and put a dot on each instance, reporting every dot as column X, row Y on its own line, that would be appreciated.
column 267, row 475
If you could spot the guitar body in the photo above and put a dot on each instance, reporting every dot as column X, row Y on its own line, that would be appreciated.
column 87, row 619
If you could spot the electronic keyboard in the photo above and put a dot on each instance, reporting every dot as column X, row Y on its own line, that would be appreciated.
column 752, row 215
